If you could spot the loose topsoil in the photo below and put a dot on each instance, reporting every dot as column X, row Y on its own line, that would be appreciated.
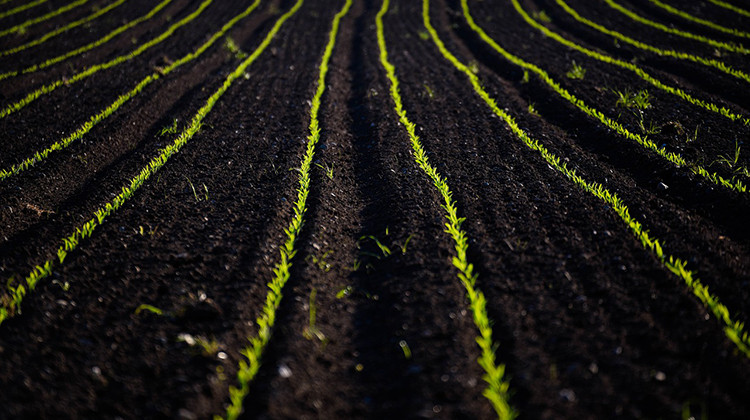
column 589, row 325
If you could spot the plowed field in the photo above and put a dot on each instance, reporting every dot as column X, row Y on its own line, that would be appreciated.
column 374, row 209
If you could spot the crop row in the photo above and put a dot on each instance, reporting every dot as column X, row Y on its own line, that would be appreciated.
column 497, row 391
column 732, row 328
column 497, row 386
column 67, row 81
column 87, row 47
column 11, row 304
column 708, row 62
column 664, row 28
column 695, row 19
column 63, row 29
column 122, row 99
column 265, row 321
column 249, row 365
column 731, row 7
column 640, row 72
column 674, row 158
column 23, row 25
column 21, row 8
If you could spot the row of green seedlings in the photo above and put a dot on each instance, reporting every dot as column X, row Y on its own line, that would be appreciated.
column 11, row 303
column 22, row 27
column 638, row 101
column 708, row 62
column 21, row 8
column 67, row 81
column 61, row 30
column 689, row 17
column 497, row 390
column 733, row 329
column 80, row 50
column 731, row 47
column 105, row 113
column 253, row 353
column 731, row 7
column 607, row 59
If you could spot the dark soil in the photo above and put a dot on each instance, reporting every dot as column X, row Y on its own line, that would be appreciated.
column 588, row 323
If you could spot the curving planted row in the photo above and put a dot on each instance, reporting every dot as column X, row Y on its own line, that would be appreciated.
column 687, row 16
column 731, row 7
column 708, row 62
column 87, row 47
column 733, row 329
column 10, row 304
column 21, row 8
column 33, row 96
column 253, row 353
column 709, row 106
column 95, row 119
column 63, row 29
column 497, row 386
column 22, row 26
column 674, row 158
column 739, row 49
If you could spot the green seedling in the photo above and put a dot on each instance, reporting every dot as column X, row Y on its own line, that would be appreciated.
column 429, row 91
column 405, row 348
column 356, row 265
column 234, row 49
column 630, row 99
column 346, row 291
column 732, row 161
column 208, row 348
column 424, row 35
column 542, row 16
column 311, row 331
column 148, row 308
column 693, row 137
column 63, row 285
column 384, row 249
column 195, row 192
column 327, row 169
column 474, row 67
column 532, row 109
column 576, row 72
column 406, row 243
column 169, row 129
column 646, row 128
column 151, row 232
column 321, row 262
column 525, row 78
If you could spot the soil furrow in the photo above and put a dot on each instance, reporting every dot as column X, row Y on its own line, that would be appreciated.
column 176, row 280
column 147, row 317
column 578, row 300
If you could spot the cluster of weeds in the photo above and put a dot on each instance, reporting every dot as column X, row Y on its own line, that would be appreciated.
column 633, row 100
column 234, row 49
column 320, row 261
column 576, row 72
column 327, row 168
